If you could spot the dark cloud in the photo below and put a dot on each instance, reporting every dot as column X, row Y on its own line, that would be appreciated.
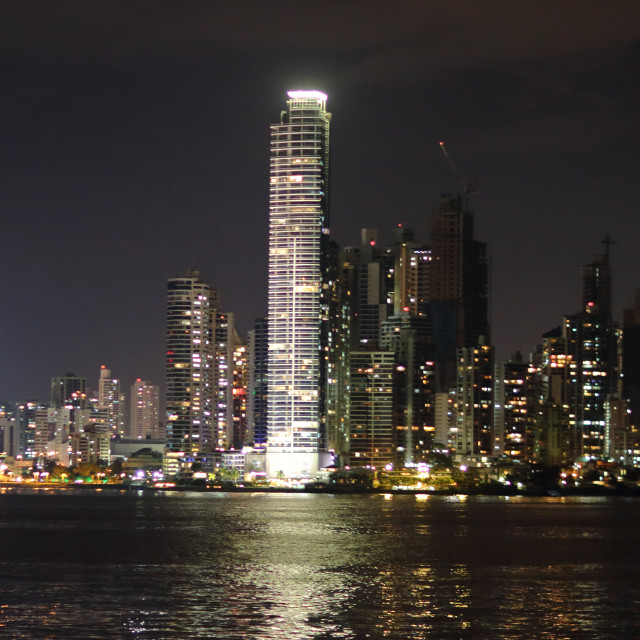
column 401, row 39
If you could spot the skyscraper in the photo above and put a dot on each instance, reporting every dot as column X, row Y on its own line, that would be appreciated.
column 298, row 247
column 411, row 273
column 458, row 286
column 111, row 402
column 474, row 406
column 367, row 274
column 631, row 377
column 372, row 438
column 224, row 338
column 581, row 366
column 408, row 337
column 144, row 415
column 596, row 356
column 239, row 393
column 257, row 402
column 514, row 409
column 190, row 360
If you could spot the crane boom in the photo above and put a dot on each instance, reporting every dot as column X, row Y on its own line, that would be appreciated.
column 467, row 188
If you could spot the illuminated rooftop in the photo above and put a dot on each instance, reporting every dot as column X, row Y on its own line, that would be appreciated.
column 301, row 95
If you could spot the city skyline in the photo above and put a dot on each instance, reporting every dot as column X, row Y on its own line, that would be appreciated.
column 129, row 160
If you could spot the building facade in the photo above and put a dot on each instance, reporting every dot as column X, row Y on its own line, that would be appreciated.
column 144, row 414
column 372, row 438
column 298, row 238
column 111, row 401
column 258, row 348
column 190, row 362
column 458, row 286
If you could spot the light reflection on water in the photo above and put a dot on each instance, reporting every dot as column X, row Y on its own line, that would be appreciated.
column 315, row 567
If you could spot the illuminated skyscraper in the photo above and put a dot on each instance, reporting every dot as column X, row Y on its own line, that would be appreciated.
column 111, row 401
column 224, row 337
column 372, row 439
column 474, row 410
column 514, row 409
column 596, row 356
column 257, row 401
column 298, row 248
column 190, row 359
column 581, row 370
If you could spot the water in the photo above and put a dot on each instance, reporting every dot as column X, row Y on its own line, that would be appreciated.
column 78, row 564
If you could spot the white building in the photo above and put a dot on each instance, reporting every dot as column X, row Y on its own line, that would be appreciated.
column 298, row 219
column 111, row 401
column 144, row 412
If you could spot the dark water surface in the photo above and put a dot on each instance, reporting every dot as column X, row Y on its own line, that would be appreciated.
column 87, row 565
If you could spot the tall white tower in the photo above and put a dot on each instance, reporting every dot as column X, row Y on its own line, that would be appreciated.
column 298, row 220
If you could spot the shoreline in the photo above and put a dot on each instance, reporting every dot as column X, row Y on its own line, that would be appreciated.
column 537, row 492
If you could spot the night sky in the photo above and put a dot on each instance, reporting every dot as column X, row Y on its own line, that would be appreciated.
column 135, row 144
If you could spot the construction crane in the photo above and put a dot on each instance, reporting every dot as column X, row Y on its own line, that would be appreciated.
column 467, row 187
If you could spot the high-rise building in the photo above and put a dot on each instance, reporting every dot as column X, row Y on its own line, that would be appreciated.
column 53, row 427
column 69, row 391
column 27, row 426
column 474, row 402
column 367, row 275
column 458, row 286
column 224, row 337
column 579, row 369
column 298, row 256
column 190, row 361
column 589, row 388
column 556, row 435
column 409, row 338
column 372, row 437
column 239, row 394
column 111, row 401
column 144, row 410
column 412, row 262
column 10, row 442
column 513, row 414
column 257, row 389
column 631, row 375
column 596, row 344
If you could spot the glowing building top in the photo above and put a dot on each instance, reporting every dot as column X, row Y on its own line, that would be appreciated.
column 308, row 95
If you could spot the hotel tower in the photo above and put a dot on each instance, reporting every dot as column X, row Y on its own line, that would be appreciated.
column 298, row 238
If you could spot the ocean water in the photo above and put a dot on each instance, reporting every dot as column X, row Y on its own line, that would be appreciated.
column 86, row 564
